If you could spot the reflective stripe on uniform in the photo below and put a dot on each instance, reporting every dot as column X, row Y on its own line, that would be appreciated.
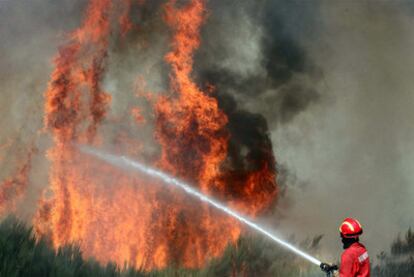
column 363, row 257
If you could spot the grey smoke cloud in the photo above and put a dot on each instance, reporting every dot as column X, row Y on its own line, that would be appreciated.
column 354, row 149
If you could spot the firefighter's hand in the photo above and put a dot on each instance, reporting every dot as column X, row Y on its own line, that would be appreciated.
column 325, row 267
column 328, row 268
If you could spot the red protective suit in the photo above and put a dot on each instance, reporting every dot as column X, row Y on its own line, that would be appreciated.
column 355, row 261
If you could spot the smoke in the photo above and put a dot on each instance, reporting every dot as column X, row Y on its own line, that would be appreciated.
column 262, row 76
column 253, row 56
column 354, row 149
column 326, row 84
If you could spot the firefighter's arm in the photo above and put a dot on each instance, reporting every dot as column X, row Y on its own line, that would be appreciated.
column 346, row 269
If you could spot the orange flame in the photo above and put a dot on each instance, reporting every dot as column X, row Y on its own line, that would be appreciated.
column 124, row 20
column 12, row 189
column 116, row 217
column 191, row 130
column 79, row 67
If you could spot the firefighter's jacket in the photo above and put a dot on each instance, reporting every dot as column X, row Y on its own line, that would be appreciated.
column 355, row 261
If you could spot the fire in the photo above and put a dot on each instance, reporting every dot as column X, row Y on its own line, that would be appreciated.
column 121, row 218
column 13, row 189
column 79, row 68
column 191, row 131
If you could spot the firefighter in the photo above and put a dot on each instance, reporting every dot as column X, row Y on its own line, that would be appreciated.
column 354, row 259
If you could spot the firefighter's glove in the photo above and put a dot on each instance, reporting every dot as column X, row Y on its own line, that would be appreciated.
column 328, row 268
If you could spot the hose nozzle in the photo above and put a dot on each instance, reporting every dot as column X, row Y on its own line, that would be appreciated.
column 328, row 269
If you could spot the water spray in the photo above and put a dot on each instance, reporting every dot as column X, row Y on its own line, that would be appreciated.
column 122, row 161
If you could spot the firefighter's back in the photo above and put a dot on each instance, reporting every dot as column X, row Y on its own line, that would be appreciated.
column 355, row 261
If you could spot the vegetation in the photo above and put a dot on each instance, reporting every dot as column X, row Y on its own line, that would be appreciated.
column 400, row 262
column 22, row 255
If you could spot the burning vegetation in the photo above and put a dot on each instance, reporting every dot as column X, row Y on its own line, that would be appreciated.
column 201, row 132
column 13, row 188
column 116, row 217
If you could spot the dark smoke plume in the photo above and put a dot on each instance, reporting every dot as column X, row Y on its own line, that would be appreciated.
column 272, row 91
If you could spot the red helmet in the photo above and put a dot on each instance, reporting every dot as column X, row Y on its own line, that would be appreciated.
column 350, row 228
